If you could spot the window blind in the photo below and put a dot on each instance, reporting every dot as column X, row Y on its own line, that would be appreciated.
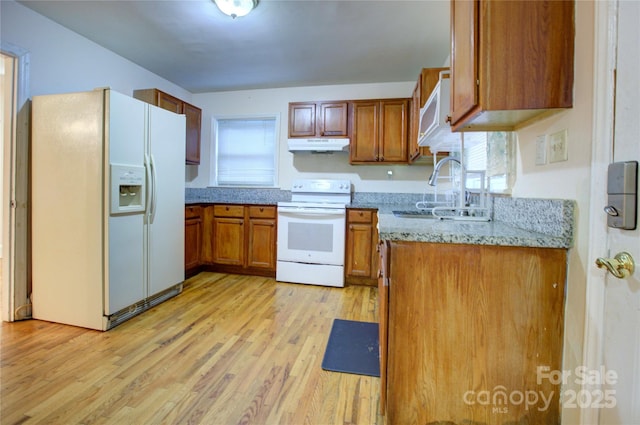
column 246, row 152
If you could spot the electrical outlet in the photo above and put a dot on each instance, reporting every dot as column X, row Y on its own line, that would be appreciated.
column 558, row 146
column 541, row 150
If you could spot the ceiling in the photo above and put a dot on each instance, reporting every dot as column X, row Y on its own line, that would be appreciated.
column 282, row 43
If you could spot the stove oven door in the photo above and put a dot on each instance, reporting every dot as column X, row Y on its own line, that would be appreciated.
column 311, row 235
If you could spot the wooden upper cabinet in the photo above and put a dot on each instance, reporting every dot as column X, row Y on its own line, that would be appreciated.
column 427, row 81
column 193, row 116
column 302, row 119
column 168, row 102
column 332, row 119
column 379, row 130
column 511, row 62
column 318, row 119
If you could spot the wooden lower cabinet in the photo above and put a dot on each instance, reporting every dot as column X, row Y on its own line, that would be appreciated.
column 228, row 235
column 244, row 239
column 261, row 249
column 233, row 238
column 192, row 239
column 469, row 330
column 361, row 258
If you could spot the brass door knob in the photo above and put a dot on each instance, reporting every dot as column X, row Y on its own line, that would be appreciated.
column 621, row 266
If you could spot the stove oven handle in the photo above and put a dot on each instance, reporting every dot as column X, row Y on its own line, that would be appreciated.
column 311, row 211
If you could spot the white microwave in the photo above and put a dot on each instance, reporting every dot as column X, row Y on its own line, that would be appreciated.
column 435, row 131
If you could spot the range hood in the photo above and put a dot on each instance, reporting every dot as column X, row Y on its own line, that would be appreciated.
column 318, row 145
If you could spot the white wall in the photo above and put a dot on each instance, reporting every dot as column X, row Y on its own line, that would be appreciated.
column 568, row 180
column 366, row 178
column 62, row 61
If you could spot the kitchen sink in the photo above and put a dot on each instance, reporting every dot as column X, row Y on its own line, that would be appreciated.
column 414, row 214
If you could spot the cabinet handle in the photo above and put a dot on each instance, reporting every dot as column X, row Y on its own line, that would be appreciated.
column 261, row 209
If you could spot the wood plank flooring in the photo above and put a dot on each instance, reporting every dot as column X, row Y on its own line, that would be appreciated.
column 229, row 350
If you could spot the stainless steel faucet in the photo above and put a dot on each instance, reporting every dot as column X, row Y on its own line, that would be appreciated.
column 439, row 164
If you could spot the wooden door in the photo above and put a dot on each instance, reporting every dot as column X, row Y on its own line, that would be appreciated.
column 170, row 103
column 383, row 312
column 364, row 118
column 206, row 254
column 193, row 116
column 468, row 320
column 333, row 119
column 302, row 119
column 192, row 238
column 393, row 130
column 228, row 241
column 359, row 244
column 464, row 58
column 262, row 243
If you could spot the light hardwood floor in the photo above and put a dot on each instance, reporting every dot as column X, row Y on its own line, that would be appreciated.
column 229, row 350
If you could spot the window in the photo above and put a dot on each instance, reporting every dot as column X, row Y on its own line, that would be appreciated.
column 493, row 153
column 245, row 151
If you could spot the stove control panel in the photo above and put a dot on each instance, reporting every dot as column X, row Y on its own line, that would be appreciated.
column 321, row 186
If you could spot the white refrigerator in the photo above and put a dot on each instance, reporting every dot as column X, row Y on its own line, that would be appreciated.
column 107, row 207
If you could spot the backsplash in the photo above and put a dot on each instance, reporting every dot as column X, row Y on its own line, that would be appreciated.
column 554, row 217
column 239, row 195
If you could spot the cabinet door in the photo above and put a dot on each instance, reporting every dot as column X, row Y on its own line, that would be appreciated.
column 333, row 119
column 393, row 131
column 415, row 151
column 262, row 243
column 464, row 58
column 469, row 330
column 170, row 103
column 364, row 131
column 383, row 311
column 302, row 119
column 192, row 237
column 228, row 241
column 360, row 244
column 193, row 116
column 206, row 253
column 192, row 240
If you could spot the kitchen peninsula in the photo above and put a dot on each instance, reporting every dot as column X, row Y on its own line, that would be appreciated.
column 472, row 315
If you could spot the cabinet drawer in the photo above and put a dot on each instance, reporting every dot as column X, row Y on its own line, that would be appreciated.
column 192, row 212
column 262, row 212
column 360, row 216
column 228, row 211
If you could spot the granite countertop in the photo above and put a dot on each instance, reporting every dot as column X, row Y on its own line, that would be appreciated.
column 527, row 222
column 395, row 228
column 536, row 223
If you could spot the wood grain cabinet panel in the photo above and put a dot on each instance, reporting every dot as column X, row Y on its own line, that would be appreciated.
column 511, row 62
column 243, row 239
column 379, row 131
column 192, row 238
column 361, row 257
column 193, row 117
column 318, row 119
column 466, row 319
column 427, row 81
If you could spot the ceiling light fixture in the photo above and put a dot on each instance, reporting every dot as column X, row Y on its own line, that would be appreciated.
column 236, row 8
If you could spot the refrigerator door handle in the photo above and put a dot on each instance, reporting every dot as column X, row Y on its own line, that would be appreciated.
column 149, row 194
column 154, row 193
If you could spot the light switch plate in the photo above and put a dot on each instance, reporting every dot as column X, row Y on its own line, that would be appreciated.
column 541, row 150
column 558, row 146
